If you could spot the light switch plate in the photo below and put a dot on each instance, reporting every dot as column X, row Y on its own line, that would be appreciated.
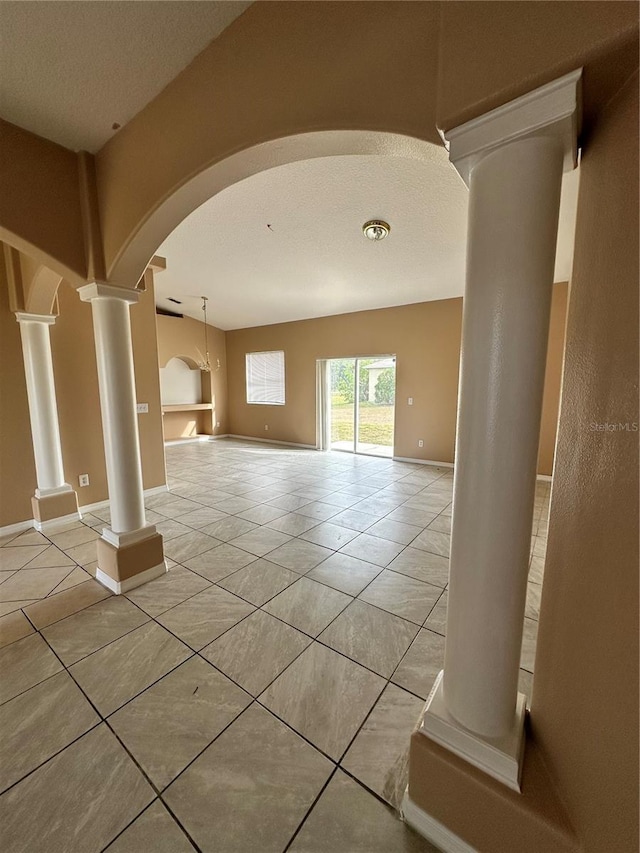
column 142, row 408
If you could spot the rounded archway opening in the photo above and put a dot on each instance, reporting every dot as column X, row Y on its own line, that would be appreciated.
column 157, row 224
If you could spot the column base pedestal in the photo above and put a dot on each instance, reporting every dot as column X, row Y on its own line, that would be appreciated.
column 123, row 568
column 50, row 509
column 500, row 758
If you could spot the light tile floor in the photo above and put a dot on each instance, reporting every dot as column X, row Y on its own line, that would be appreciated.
column 258, row 697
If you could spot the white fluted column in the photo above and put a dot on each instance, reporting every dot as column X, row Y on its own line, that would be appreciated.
column 512, row 160
column 116, row 380
column 52, row 491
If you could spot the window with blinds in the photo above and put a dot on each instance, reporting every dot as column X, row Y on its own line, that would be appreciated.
column 265, row 378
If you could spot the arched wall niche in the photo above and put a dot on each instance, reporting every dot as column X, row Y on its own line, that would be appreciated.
column 180, row 382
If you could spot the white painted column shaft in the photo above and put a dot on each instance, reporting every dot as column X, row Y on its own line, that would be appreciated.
column 43, row 409
column 114, row 354
column 513, row 216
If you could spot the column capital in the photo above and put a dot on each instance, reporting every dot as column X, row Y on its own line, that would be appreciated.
column 553, row 110
column 45, row 319
column 101, row 290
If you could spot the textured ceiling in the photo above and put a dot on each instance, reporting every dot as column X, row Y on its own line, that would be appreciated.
column 313, row 260
column 69, row 70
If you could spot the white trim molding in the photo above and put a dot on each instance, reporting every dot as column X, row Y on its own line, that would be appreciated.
column 417, row 461
column 118, row 587
column 431, row 829
column 89, row 508
column 47, row 319
column 551, row 110
column 272, row 441
column 101, row 290
column 196, row 439
column 43, row 526
column 18, row 527
column 121, row 540
column 500, row 758
column 32, row 524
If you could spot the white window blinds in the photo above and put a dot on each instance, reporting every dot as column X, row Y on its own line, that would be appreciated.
column 265, row 378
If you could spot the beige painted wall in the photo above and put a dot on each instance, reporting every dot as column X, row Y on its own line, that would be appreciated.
column 183, row 337
column 74, row 365
column 17, row 468
column 426, row 340
column 580, row 779
column 40, row 206
column 492, row 52
column 585, row 702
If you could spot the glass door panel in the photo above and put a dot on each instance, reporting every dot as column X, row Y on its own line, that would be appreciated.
column 342, row 383
column 376, row 405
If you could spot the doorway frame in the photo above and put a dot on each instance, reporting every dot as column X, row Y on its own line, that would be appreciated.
column 323, row 403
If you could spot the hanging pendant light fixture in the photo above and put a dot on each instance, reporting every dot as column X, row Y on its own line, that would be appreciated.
column 206, row 364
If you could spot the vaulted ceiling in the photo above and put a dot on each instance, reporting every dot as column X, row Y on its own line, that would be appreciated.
column 69, row 71
column 287, row 244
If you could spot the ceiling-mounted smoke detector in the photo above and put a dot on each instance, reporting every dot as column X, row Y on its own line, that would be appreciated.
column 376, row 229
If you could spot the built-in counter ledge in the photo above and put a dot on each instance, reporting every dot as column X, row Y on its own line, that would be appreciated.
column 188, row 407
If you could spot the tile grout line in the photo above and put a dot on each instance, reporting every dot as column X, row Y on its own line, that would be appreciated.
column 312, row 639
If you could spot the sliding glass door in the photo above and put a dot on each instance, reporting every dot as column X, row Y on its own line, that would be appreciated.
column 362, row 403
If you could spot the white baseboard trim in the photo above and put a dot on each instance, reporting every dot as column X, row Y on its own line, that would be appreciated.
column 272, row 441
column 196, row 439
column 43, row 526
column 156, row 490
column 18, row 527
column 431, row 829
column 32, row 524
column 544, row 478
column 118, row 587
column 423, row 461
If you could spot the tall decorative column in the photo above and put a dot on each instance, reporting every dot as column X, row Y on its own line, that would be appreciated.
column 512, row 160
column 54, row 499
column 130, row 551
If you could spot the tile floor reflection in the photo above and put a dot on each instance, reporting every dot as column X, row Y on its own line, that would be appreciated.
column 259, row 696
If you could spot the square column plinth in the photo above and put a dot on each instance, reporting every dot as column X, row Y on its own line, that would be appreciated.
column 122, row 568
column 47, row 509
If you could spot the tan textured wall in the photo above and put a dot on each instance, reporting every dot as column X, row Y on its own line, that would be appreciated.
column 426, row 340
column 40, row 211
column 492, row 52
column 553, row 378
column 17, row 468
column 184, row 337
column 424, row 337
column 585, row 703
